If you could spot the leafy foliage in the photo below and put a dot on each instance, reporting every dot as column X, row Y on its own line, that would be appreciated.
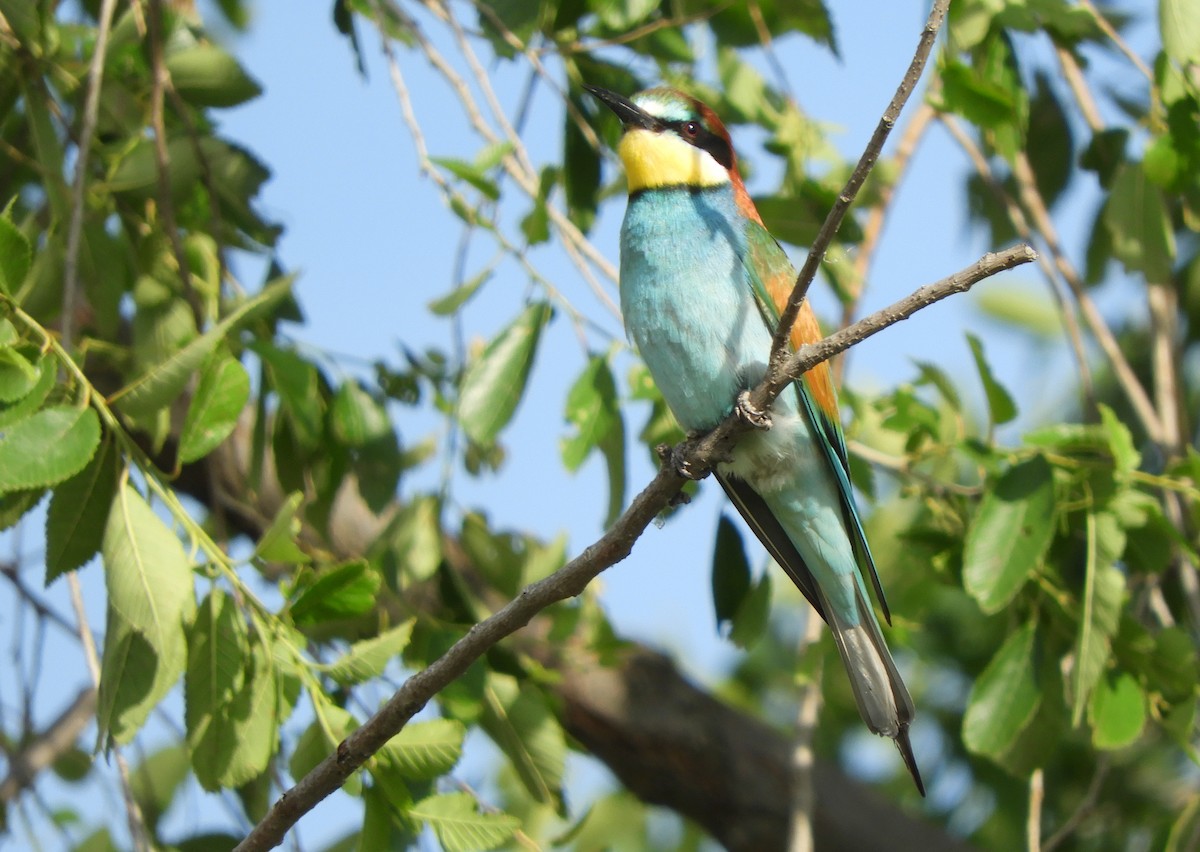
column 1042, row 566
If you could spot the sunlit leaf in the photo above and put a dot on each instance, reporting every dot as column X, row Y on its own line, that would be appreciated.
column 48, row 447
column 1004, row 698
column 1010, row 534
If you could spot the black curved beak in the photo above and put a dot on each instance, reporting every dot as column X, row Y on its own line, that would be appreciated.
column 632, row 116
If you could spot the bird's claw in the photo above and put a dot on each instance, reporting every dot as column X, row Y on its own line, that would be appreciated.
column 750, row 414
column 677, row 458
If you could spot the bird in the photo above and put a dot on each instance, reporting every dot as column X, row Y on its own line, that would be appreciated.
column 702, row 286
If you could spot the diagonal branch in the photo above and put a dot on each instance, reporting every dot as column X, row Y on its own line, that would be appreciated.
column 816, row 253
column 699, row 456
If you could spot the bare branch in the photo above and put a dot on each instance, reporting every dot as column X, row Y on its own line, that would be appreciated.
column 779, row 346
column 51, row 744
column 699, row 456
column 804, row 794
column 91, row 111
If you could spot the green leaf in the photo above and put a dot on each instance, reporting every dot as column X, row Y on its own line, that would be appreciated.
column 1120, row 441
column 471, row 173
column 367, row 659
column 340, row 592
column 752, row 617
column 319, row 740
column 298, row 385
column 1103, row 594
column 425, row 750
column 1137, row 221
column 220, row 396
column 1009, row 534
column 52, row 445
column 252, row 719
column 1179, row 27
column 1005, row 698
column 494, row 383
column 1117, row 712
column 205, row 75
column 33, row 399
column 416, row 540
column 278, row 543
column 450, row 303
column 15, row 256
column 518, row 719
column 78, row 511
column 150, row 599
column 156, row 781
column 730, row 573
column 581, row 168
column 459, row 826
column 17, row 375
column 218, row 646
column 357, row 417
column 593, row 409
column 160, row 385
column 1001, row 408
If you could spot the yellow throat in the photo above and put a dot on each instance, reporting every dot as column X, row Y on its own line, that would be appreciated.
column 655, row 160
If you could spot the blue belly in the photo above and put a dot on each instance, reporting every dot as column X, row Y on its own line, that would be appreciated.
column 688, row 306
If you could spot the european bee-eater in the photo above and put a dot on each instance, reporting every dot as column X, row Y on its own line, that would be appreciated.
column 702, row 286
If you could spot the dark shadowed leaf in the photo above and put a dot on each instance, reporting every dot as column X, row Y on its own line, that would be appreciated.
column 77, row 514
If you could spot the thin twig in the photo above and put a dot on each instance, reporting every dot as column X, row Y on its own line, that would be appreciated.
column 1021, row 224
column 159, row 81
column 1086, row 805
column 1123, row 46
column 780, row 345
column 804, row 793
column 91, row 111
column 1033, row 823
column 1031, row 198
column 57, row 739
column 698, row 456
column 873, row 229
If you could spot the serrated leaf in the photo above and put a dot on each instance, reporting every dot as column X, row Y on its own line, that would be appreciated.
column 1009, row 534
column 78, row 511
column 459, row 296
column 160, row 385
column 459, row 826
column 519, row 721
column 15, row 256
column 222, row 393
column 206, row 75
column 1005, row 698
column 1117, row 712
column 1001, row 408
column 494, row 383
column 730, row 573
column 367, row 659
column 278, row 543
column 150, row 599
column 425, row 750
column 48, row 447
column 343, row 591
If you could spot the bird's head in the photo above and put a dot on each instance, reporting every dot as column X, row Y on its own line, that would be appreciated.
column 671, row 140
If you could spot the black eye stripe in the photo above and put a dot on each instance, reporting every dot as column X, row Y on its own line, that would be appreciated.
column 705, row 140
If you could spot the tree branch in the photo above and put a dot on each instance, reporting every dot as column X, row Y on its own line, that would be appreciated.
column 816, row 253
column 698, row 456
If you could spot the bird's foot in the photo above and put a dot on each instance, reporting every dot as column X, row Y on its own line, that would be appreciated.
column 677, row 458
column 750, row 414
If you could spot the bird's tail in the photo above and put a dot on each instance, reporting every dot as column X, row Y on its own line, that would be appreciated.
column 882, row 697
